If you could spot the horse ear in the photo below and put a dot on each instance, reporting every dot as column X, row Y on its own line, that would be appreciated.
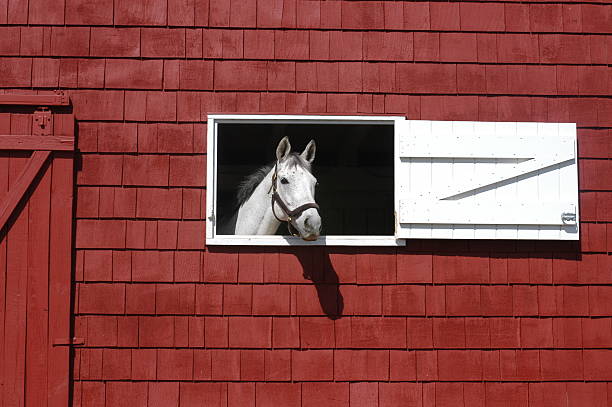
column 283, row 149
column 309, row 152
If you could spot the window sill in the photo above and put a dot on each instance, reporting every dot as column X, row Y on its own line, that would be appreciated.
column 238, row 240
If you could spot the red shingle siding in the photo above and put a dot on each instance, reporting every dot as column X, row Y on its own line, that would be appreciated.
column 434, row 324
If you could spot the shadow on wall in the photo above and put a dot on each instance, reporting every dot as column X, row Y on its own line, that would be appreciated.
column 420, row 262
column 301, row 266
column 320, row 271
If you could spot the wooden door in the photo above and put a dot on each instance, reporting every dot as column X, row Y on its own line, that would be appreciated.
column 36, row 189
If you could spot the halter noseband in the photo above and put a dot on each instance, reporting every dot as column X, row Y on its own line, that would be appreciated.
column 291, row 214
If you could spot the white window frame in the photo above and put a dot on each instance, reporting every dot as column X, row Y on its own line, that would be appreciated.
column 276, row 240
column 544, row 226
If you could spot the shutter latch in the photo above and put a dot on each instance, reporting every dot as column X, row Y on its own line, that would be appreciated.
column 568, row 218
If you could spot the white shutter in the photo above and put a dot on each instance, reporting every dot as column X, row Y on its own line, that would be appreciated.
column 486, row 180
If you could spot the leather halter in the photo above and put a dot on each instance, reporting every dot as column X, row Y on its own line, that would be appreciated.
column 291, row 214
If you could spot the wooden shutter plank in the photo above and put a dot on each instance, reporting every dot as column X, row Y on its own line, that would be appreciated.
column 17, row 191
column 548, row 189
column 489, row 197
column 441, row 172
column 38, row 296
column 60, row 263
column 506, row 193
column 484, row 139
column 16, row 297
column 525, row 190
column 463, row 169
column 475, row 213
column 451, row 146
column 419, row 173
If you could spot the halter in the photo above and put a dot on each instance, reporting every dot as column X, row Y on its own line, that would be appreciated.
column 291, row 214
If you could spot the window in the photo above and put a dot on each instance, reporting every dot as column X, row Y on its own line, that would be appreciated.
column 385, row 179
column 353, row 166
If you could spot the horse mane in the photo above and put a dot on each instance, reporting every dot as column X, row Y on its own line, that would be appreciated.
column 250, row 182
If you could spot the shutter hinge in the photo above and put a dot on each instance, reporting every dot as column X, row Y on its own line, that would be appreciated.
column 68, row 342
column 42, row 124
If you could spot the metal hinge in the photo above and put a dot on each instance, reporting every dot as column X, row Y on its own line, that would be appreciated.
column 62, row 98
column 68, row 342
column 42, row 124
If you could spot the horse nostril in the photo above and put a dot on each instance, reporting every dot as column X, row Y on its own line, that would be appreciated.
column 312, row 224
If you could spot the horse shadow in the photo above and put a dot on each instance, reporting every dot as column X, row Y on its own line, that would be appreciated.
column 319, row 269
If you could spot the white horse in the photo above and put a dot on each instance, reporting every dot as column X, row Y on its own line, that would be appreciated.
column 280, row 192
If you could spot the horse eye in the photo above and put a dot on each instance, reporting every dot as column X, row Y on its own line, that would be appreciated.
column 284, row 181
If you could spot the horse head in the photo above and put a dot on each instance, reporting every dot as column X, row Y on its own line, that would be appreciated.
column 293, row 190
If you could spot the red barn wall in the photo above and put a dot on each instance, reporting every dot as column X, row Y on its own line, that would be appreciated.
column 437, row 323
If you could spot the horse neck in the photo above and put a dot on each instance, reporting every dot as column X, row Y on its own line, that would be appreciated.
column 255, row 216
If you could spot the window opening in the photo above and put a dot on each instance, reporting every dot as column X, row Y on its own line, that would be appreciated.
column 353, row 166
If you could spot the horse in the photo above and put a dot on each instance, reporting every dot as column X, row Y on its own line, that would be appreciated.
column 280, row 192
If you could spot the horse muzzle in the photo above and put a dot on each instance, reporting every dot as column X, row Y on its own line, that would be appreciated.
column 310, row 226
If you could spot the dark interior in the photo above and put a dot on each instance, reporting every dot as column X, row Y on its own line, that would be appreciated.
column 353, row 164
